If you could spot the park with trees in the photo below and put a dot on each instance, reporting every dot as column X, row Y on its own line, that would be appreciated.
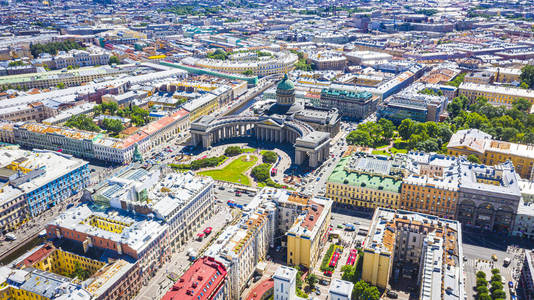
column 512, row 124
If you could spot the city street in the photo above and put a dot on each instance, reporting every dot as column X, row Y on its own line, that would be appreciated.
column 179, row 262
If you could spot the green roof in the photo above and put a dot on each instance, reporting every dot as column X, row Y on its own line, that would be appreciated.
column 341, row 176
column 286, row 84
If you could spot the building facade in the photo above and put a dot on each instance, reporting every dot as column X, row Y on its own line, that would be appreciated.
column 417, row 242
column 351, row 105
column 206, row 279
column 493, row 152
column 364, row 181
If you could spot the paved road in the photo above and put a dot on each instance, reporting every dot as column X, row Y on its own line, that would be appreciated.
column 179, row 263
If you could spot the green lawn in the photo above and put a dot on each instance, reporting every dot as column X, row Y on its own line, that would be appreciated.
column 392, row 150
column 234, row 171
column 380, row 152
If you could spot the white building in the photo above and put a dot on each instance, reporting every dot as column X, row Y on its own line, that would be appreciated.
column 182, row 200
column 285, row 281
column 340, row 290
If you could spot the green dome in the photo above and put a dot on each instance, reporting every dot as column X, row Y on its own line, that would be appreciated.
column 286, row 84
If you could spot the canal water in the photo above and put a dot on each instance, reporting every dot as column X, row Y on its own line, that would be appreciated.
column 27, row 246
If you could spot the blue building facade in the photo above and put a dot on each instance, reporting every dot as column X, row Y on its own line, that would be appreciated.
column 57, row 190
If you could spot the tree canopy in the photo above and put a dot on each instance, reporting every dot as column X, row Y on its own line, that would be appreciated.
column 527, row 75
column 54, row 47
column 82, row 122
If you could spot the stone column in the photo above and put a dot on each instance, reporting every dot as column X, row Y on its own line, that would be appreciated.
column 313, row 159
column 298, row 157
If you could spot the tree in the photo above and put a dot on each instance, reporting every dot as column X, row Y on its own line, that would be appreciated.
column 496, row 285
column 248, row 73
column 387, row 128
column 429, row 145
column 457, row 105
column 269, row 157
column 481, row 274
column 482, row 282
column 406, row 128
column 233, row 151
column 527, row 75
column 474, row 159
column 523, row 85
column 498, row 294
column 358, row 289
column 495, row 271
column 371, row 293
column 113, row 125
column 82, row 122
column 60, row 85
column 482, row 289
column 114, row 60
column 509, row 133
column 311, row 280
column 522, row 105
column 484, row 296
column 496, row 277
column 359, row 137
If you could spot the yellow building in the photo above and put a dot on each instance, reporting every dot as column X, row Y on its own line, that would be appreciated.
column 506, row 75
column 201, row 106
column 492, row 152
column 435, row 196
column 278, row 63
column 496, row 95
column 309, row 233
column 363, row 187
column 34, row 284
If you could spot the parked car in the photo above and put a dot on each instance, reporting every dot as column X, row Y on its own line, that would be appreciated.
column 392, row 295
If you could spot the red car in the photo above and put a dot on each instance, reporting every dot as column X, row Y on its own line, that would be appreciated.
column 328, row 273
column 207, row 231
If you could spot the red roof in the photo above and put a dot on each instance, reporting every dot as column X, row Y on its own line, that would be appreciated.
column 261, row 289
column 201, row 281
column 38, row 255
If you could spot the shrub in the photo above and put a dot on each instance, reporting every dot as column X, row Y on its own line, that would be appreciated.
column 326, row 258
column 269, row 157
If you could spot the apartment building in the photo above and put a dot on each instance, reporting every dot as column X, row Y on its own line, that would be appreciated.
column 496, row 95
column 492, row 152
column 327, row 60
column 36, row 284
column 433, row 186
column 309, row 233
column 241, row 246
column 418, row 242
column 77, row 58
column 139, row 238
column 34, row 111
column 489, row 196
column 13, row 208
column 43, row 178
column 278, row 63
column 104, row 279
column 68, row 78
column 182, row 200
column 206, row 279
column 97, row 146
